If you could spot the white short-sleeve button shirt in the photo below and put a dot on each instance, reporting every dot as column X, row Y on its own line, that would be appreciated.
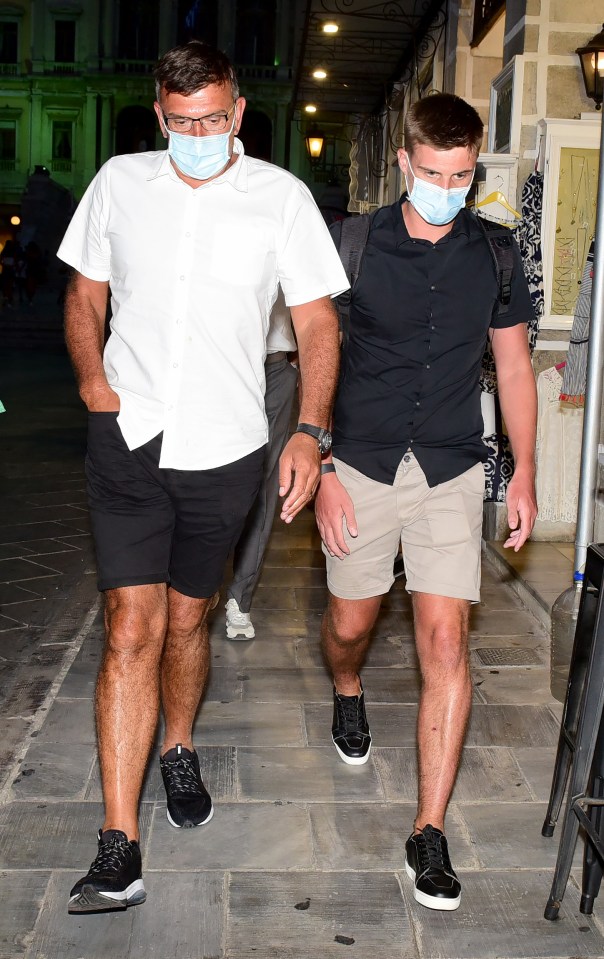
column 193, row 275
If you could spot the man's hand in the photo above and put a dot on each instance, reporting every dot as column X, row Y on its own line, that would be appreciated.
column 332, row 505
column 299, row 474
column 522, row 508
column 100, row 398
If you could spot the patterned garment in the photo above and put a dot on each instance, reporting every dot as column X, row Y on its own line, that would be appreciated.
column 575, row 371
column 499, row 467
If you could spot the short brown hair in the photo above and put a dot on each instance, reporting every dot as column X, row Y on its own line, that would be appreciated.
column 443, row 121
column 191, row 67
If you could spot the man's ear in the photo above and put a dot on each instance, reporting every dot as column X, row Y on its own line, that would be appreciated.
column 239, row 108
column 160, row 118
column 401, row 156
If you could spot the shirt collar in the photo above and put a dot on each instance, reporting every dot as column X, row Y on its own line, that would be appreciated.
column 462, row 224
column 236, row 175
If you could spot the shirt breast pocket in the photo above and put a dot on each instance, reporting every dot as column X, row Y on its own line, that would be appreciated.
column 239, row 254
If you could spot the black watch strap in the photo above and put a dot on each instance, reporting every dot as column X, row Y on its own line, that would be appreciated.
column 327, row 468
column 322, row 436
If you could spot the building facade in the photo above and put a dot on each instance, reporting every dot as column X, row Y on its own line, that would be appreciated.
column 76, row 82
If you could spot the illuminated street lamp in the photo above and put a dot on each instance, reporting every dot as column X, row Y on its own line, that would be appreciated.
column 592, row 65
column 314, row 140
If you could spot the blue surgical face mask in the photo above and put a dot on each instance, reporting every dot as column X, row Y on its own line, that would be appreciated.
column 200, row 157
column 435, row 204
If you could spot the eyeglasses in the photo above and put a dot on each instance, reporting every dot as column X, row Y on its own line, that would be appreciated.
column 214, row 123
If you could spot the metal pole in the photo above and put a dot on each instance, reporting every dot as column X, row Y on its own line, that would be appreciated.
column 593, row 392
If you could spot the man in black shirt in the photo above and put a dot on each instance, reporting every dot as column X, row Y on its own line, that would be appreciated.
column 407, row 456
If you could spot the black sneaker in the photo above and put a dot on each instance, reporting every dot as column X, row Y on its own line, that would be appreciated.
column 427, row 863
column 114, row 880
column 350, row 730
column 189, row 802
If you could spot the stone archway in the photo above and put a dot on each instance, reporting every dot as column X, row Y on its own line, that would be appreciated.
column 135, row 130
column 256, row 134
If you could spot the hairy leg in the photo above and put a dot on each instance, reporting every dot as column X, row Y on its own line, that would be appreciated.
column 345, row 634
column 127, row 697
column 441, row 636
column 184, row 666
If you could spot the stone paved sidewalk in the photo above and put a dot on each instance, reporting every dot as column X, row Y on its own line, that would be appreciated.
column 304, row 858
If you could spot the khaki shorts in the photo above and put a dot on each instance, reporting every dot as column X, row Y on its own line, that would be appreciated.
column 439, row 529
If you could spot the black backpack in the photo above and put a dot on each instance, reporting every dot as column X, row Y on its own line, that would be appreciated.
column 350, row 237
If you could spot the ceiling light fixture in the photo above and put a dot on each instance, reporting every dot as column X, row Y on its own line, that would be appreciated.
column 330, row 27
column 319, row 74
column 310, row 108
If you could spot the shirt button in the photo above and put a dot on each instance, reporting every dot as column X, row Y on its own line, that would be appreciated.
column 427, row 366
column 433, row 287
column 174, row 366
column 182, row 277
column 410, row 441
column 406, row 458
column 418, row 403
column 432, row 327
column 187, row 234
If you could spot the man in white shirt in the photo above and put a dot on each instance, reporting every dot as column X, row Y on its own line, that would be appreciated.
column 192, row 244
column 248, row 556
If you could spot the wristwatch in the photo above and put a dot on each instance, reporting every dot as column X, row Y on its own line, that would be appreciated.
column 323, row 437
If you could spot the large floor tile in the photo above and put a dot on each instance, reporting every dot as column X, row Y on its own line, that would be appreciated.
column 537, row 765
column 511, row 726
column 506, row 622
column 372, row 836
column 363, row 912
column 69, row 721
column 501, row 917
column 182, row 919
column 51, row 771
column 287, row 686
column 305, row 775
column 511, row 839
column 518, row 685
column 262, row 652
column 484, row 773
column 249, row 724
column 386, row 651
column 93, row 936
column 239, row 836
column 59, row 835
column 21, row 895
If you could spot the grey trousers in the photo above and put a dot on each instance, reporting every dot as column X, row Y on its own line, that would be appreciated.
column 281, row 379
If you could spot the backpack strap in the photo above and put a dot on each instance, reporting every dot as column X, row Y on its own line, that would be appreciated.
column 499, row 240
column 350, row 237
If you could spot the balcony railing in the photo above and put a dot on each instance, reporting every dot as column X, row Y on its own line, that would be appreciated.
column 8, row 166
column 58, row 68
column 134, row 66
column 9, row 69
column 254, row 72
column 485, row 14
column 61, row 166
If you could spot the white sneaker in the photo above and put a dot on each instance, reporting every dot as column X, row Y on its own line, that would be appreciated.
column 238, row 624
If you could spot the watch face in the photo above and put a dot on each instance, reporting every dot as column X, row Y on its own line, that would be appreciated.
column 325, row 441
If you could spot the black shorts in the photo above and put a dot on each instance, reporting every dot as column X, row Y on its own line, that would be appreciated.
column 153, row 525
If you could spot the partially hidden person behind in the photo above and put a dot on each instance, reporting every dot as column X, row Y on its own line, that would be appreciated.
column 407, row 466
column 281, row 379
column 192, row 243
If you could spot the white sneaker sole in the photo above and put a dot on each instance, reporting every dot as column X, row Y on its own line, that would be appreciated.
column 353, row 760
column 240, row 632
column 202, row 823
column 90, row 899
column 431, row 902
